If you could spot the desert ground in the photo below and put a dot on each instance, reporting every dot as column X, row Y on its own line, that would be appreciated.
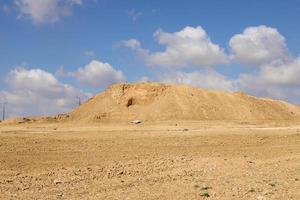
column 159, row 160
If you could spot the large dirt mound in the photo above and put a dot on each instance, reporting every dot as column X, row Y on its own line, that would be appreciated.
column 156, row 101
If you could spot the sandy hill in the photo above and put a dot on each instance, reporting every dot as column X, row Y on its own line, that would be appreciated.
column 156, row 101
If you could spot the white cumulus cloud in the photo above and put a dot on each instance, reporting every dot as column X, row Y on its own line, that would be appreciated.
column 190, row 46
column 45, row 11
column 259, row 45
column 209, row 79
column 37, row 92
column 98, row 74
column 279, row 81
column 282, row 74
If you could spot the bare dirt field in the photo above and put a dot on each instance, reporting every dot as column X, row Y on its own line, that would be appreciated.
column 171, row 160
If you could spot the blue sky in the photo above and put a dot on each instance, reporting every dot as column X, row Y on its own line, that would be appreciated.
column 79, row 47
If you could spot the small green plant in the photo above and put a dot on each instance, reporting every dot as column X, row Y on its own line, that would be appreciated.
column 205, row 194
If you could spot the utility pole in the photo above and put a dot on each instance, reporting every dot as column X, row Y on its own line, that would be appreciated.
column 3, row 111
column 79, row 100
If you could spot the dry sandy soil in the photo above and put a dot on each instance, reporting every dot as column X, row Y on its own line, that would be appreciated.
column 171, row 160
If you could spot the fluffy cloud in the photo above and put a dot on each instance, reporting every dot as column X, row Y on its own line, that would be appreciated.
column 43, row 11
column 137, row 47
column 277, row 75
column 132, row 43
column 279, row 81
column 188, row 47
column 208, row 78
column 259, row 45
column 98, row 74
column 36, row 92
column 286, row 74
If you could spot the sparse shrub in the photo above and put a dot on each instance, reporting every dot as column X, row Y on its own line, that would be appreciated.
column 205, row 194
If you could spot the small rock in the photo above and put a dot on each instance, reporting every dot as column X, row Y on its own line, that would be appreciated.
column 136, row 121
column 60, row 194
column 89, row 169
column 121, row 173
column 57, row 182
